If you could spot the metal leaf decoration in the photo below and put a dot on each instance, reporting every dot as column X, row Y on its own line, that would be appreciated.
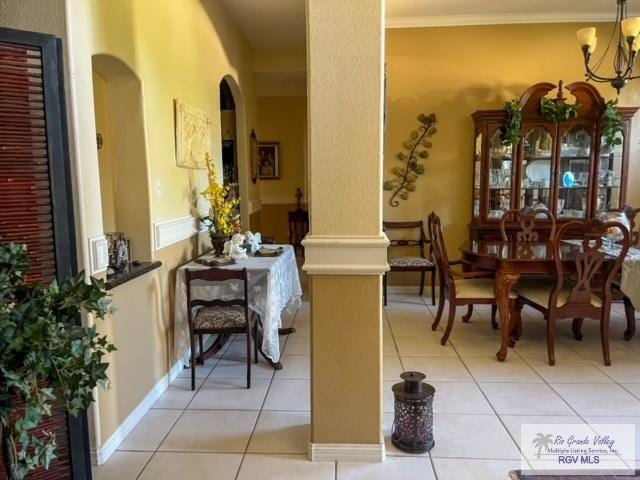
column 417, row 149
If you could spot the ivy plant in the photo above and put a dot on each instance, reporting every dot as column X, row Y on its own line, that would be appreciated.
column 46, row 357
column 417, row 148
column 558, row 112
column 612, row 125
column 513, row 128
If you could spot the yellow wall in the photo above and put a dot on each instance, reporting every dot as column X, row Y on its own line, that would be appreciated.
column 176, row 52
column 282, row 120
column 455, row 71
column 105, row 155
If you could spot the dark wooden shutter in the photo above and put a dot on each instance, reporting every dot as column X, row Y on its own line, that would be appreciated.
column 36, row 205
column 25, row 202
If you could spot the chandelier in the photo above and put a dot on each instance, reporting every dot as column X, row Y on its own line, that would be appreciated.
column 623, row 40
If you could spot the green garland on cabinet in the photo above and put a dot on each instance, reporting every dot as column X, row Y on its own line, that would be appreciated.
column 513, row 128
column 612, row 124
column 417, row 148
column 558, row 112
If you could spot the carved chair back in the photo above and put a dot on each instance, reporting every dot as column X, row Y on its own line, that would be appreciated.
column 590, row 267
column 420, row 242
column 526, row 219
column 209, row 275
column 634, row 224
column 439, row 250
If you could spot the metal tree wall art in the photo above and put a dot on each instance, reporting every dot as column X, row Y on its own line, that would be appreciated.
column 417, row 149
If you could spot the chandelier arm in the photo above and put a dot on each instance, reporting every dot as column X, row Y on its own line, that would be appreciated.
column 594, row 76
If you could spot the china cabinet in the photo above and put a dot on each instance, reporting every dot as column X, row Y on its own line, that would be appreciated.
column 565, row 167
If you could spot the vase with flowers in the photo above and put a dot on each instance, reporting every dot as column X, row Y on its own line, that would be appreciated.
column 223, row 219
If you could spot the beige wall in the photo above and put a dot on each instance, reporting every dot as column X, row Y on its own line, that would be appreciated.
column 455, row 71
column 176, row 52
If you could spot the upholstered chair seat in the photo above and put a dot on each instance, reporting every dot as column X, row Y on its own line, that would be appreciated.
column 410, row 262
column 477, row 288
column 538, row 292
column 219, row 317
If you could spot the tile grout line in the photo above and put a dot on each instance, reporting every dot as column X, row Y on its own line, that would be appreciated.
column 264, row 400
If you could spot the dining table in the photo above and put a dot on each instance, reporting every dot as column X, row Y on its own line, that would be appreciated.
column 512, row 259
column 274, row 287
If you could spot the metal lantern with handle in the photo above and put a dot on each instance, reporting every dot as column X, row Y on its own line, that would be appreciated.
column 413, row 414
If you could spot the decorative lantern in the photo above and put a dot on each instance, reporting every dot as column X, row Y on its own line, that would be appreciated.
column 413, row 418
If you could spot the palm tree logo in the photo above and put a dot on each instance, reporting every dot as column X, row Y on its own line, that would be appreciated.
column 542, row 441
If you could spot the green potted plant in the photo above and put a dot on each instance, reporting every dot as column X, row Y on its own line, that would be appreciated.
column 46, row 358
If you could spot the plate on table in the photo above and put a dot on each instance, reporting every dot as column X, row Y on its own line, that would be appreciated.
column 216, row 261
column 269, row 252
column 539, row 171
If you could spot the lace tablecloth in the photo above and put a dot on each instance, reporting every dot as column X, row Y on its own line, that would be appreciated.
column 274, row 285
column 630, row 284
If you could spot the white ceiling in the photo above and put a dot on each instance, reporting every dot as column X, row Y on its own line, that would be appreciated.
column 281, row 23
column 269, row 23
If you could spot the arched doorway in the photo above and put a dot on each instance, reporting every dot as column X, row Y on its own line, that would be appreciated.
column 230, row 175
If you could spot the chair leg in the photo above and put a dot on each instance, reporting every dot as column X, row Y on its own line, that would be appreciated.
column 193, row 363
column 249, row 359
column 436, row 322
column 452, row 316
column 201, row 345
column 421, row 282
column 467, row 316
column 630, row 313
column 433, row 287
column 255, row 342
column 576, row 328
column 551, row 334
column 494, row 315
column 604, row 336
column 384, row 288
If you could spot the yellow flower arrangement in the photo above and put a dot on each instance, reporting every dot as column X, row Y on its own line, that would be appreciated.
column 222, row 218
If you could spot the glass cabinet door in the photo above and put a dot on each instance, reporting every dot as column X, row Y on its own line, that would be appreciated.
column 477, row 172
column 609, row 177
column 537, row 152
column 500, row 177
column 573, row 174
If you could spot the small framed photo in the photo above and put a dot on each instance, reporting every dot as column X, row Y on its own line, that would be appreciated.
column 268, row 160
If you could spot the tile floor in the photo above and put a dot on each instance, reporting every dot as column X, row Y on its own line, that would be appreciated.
column 226, row 432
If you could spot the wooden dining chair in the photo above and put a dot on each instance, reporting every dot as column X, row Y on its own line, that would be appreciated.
column 219, row 317
column 577, row 291
column 421, row 263
column 629, row 309
column 459, row 288
column 298, row 229
column 527, row 224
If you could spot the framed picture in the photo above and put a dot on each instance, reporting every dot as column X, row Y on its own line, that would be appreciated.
column 268, row 160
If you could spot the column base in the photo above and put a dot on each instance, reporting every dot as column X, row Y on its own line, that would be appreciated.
column 347, row 452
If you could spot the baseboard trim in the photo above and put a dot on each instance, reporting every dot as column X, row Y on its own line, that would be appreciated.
column 347, row 452
column 102, row 454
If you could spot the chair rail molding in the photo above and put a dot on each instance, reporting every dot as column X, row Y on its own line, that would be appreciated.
column 175, row 230
column 345, row 254
column 346, row 452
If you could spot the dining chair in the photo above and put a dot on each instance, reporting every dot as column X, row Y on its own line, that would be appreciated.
column 298, row 229
column 577, row 291
column 459, row 288
column 219, row 317
column 420, row 263
column 528, row 228
column 629, row 309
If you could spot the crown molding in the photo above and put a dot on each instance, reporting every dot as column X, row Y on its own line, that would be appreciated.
column 498, row 19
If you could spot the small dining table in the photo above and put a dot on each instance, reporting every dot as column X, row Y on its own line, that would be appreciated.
column 274, row 286
column 510, row 260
